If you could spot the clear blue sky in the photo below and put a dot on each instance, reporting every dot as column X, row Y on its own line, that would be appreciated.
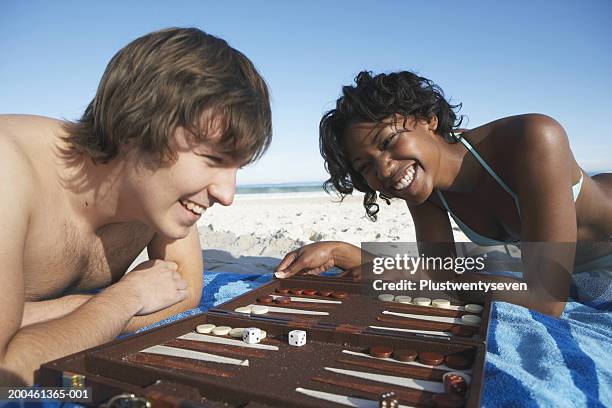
column 497, row 58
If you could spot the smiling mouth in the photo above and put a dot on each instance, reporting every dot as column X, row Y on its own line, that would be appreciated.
column 406, row 178
column 193, row 207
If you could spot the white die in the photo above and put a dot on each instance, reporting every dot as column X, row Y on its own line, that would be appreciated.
column 297, row 337
column 251, row 335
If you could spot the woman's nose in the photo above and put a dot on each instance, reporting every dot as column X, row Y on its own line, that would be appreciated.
column 383, row 168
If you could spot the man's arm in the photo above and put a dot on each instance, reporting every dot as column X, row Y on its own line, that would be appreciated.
column 23, row 350
column 35, row 344
column 98, row 320
column 45, row 310
column 187, row 254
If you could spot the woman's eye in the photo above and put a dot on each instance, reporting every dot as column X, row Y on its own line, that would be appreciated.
column 388, row 140
column 363, row 168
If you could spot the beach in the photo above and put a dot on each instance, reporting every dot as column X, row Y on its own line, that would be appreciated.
column 257, row 230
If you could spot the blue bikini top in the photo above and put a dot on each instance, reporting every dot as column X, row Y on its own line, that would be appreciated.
column 473, row 235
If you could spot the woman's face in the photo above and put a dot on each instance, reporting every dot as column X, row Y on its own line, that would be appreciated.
column 399, row 157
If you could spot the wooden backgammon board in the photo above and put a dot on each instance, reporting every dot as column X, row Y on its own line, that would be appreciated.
column 358, row 349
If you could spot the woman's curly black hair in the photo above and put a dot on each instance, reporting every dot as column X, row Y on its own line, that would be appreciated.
column 373, row 99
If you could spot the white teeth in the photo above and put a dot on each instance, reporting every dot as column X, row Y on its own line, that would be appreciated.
column 193, row 207
column 406, row 179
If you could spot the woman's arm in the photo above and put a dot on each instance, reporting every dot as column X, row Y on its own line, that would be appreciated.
column 433, row 230
column 548, row 215
column 434, row 239
column 434, row 235
column 544, row 173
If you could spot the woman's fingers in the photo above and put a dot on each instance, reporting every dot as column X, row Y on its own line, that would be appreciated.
column 287, row 260
column 354, row 273
column 314, row 258
column 315, row 271
column 296, row 265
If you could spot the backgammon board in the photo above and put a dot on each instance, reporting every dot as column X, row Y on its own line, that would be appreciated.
column 359, row 351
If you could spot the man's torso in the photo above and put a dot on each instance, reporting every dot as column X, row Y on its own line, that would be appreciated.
column 60, row 256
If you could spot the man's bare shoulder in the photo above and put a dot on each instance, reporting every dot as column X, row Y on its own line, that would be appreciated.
column 28, row 140
column 29, row 129
column 18, row 176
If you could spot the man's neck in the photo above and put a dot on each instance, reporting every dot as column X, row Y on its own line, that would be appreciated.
column 98, row 193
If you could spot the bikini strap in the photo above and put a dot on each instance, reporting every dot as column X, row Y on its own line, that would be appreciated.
column 443, row 200
column 488, row 169
column 485, row 165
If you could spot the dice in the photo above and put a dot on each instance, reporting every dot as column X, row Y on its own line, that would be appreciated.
column 252, row 335
column 297, row 338
column 455, row 382
column 387, row 400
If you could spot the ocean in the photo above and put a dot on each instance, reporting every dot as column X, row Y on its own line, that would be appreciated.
column 311, row 188
column 306, row 187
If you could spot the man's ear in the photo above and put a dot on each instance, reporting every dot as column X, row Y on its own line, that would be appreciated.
column 432, row 123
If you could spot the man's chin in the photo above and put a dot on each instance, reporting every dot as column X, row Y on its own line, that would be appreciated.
column 174, row 232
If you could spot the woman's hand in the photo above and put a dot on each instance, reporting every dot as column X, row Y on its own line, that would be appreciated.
column 316, row 258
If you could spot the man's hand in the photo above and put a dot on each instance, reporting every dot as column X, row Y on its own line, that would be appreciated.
column 156, row 284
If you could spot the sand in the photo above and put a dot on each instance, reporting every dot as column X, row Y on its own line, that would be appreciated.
column 254, row 234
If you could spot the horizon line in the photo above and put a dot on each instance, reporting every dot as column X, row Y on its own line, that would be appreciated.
column 320, row 182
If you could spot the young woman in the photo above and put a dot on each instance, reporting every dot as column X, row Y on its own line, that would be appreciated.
column 508, row 181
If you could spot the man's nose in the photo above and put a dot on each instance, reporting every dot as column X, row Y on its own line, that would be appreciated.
column 223, row 188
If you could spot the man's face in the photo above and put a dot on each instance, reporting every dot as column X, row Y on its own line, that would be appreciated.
column 173, row 196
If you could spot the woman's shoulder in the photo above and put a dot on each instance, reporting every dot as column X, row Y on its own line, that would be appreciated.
column 527, row 130
column 520, row 144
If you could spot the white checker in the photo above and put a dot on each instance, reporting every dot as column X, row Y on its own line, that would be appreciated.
column 422, row 301
column 205, row 328
column 473, row 308
column 441, row 303
column 236, row 332
column 472, row 320
column 386, row 297
column 206, row 338
column 221, row 330
column 403, row 299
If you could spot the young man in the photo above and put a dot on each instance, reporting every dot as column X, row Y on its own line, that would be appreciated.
column 176, row 114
